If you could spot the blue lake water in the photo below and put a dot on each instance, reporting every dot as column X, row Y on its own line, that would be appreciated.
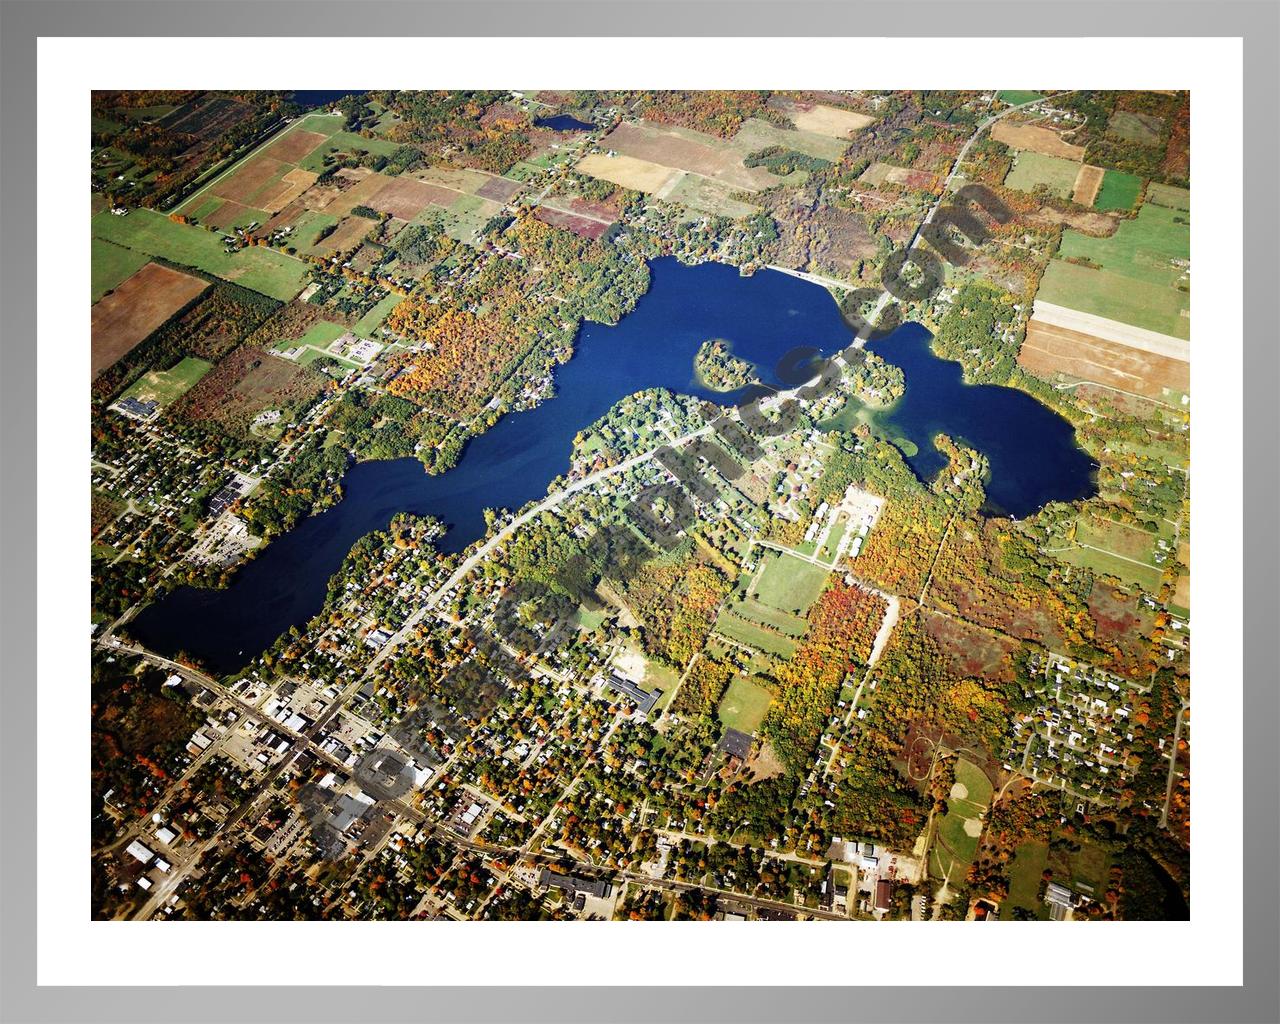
column 563, row 123
column 1031, row 450
column 764, row 316
column 318, row 97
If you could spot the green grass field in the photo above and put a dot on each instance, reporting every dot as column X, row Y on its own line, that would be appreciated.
column 744, row 705
column 1119, row 191
column 1032, row 169
column 1028, row 864
column 956, row 842
column 202, row 207
column 1085, row 869
column 1169, row 195
column 372, row 320
column 306, row 231
column 752, row 635
column 1139, row 276
column 784, row 622
column 660, row 677
column 832, row 544
column 1104, row 562
column 110, row 264
column 345, row 142
column 1017, row 97
column 321, row 124
column 166, row 386
column 755, row 135
column 789, row 584
column 260, row 269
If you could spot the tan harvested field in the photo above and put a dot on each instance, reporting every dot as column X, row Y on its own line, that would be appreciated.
column 755, row 135
column 286, row 190
column 585, row 227
column 1113, row 330
column 139, row 305
column 708, row 196
column 1182, row 592
column 1088, row 181
column 293, row 147
column 243, row 184
column 833, row 121
column 406, row 198
column 365, row 184
column 226, row 214
column 820, row 119
column 878, row 173
column 500, row 189
column 1038, row 140
column 346, row 236
column 641, row 175
column 1051, row 349
column 688, row 150
column 1182, row 589
column 460, row 179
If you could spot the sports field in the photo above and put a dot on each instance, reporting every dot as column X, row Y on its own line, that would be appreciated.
column 788, row 584
column 744, row 705
column 164, row 386
column 956, row 841
column 1017, row 97
column 260, row 269
column 1032, row 169
column 1135, row 274
column 1119, row 191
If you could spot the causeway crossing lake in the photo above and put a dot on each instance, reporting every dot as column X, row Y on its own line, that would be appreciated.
column 1032, row 451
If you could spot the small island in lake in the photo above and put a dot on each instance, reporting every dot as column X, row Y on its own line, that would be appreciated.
column 718, row 369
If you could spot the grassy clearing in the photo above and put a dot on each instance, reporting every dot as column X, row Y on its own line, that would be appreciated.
column 166, row 386
column 1017, row 97
column 110, row 264
column 1113, row 549
column 660, row 677
column 261, row 269
column 748, row 633
column 1136, row 276
column 1119, row 191
column 1169, row 195
column 744, row 705
column 789, row 584
column 372, row 320
column 755, row 135
column 784, row 622
column 306, row 232
column 709, row 196
column 832, row 544
column 322, row 124
column 1029, row 862
column 1032, row 169
column 1085, row 869
column 347, row 143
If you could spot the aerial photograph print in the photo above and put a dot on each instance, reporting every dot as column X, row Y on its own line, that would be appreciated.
column 640, row 505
